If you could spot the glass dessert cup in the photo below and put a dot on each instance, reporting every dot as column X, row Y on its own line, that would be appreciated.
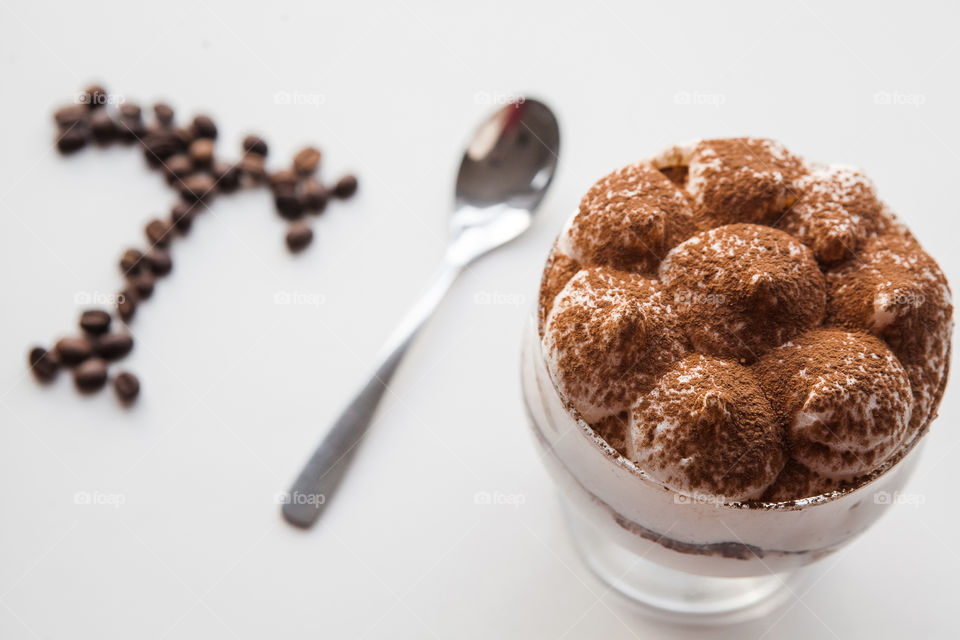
column 689, row 558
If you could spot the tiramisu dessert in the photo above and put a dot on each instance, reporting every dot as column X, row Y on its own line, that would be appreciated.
column 735, row 351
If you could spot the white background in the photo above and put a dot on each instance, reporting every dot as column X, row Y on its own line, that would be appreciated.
column 238, row 389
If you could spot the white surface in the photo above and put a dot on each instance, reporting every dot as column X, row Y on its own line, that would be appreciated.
column 238, row 389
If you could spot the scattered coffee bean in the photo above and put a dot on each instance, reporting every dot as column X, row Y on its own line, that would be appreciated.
column 126, row 304
column 197, row 187
column 313, row 195
column 164, row 113
column 184, row 135
column 285, row 179
column 306, row 161
column 201, row 152
column 130, row 111
column 299, row 235
column 95, row 321
column 159, row 232
column 226, row 176
column 73, row 351
column 44, row 364
column 182, row 215
column 126, row 386
column 72, row 139
column 91, row 375
column 143, row 284
column 255, row 144
column 131, row 124
column 113, row 346
column 158, row 146
column 102, row 127
column 288, row 204
column 158, row 261
column 204, row 127
column 345, row 187
column 130, row 262
column 95, row 96
column 252, row 171
column 178, row 167
column 71, row 114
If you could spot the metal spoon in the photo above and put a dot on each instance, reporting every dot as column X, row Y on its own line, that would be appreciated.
column 504, row 175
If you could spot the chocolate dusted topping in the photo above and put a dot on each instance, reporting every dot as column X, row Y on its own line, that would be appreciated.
column 706, row 427
column 613, row 429
column 609, row 336
column 630, row 219
column 557, row 272
column 742, row 180
column 796, row 482
column 741, row 289
column 843, row 397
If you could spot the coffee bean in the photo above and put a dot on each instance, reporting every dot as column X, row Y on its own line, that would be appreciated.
column 184, row 135
column 73, row 351
column 159, row 232
column 201, row 152
column 299, row 235
column 226, row 176
column 313, row 195
column 182, row 215
column 159, row 145
column 102, row 127
column 130, row 262
column 95, row 96
column 255, row 144
column 345, row 187
column 178, row 167
column 126, row 386
column 44, row 364
column 130, row 111
column 306, row 161
column 204, row 127
column 71, row 140
column 252, row 171
column 95, row 321
column 197, row 187
column 143, row 284
column 285, row 179
column 158, row 261
column 288, row 204
column 113, row 346
column 130, row 123
column 71, row 114
column 91, row 375
column 126, row 304
column 164, row 113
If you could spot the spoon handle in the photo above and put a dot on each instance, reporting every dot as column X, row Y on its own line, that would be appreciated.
column 325, row 469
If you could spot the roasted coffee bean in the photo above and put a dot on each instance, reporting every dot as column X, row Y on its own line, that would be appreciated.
column 72, row 139
column 130, row 124
column 285, row 179
column 91, row 375
column 184, row 135
column 201, row 152
column 252, row 171
column 71, row 114
column 130, row 262
column 288, row 204
column 345, row 187
column 299, row 235
column 306, row 161
column 130, row 111
column 313, row 195
column 73, row 351
column 126, row 304
column 158, row 146
column 197, row 187
column 143, row 284
column 95, row 321
column 102, row 127
column 226, row 176
column 126, row 386
column 204, row 127
column 159, row 232
column 182, row 215
column 163, row 113
column 95, row 96
column 113, row 346
column 255, row 144
column 177, row 167
column 44, row 364
column 158, row 261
